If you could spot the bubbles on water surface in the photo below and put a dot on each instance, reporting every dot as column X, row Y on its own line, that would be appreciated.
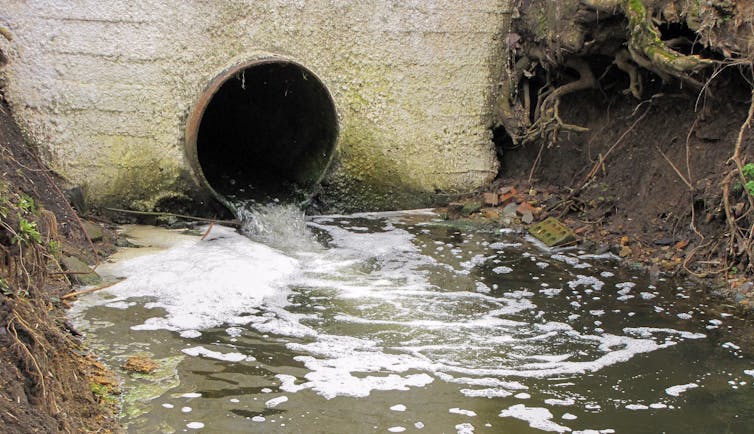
column 367, row 304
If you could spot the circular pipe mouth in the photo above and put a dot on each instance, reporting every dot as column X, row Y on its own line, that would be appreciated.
column 262, row 130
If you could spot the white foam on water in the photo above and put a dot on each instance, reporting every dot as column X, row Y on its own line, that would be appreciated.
column 677, row 390
column 378, row 281
column 537, row 417
column 396, row 429
column 190, row 334
column 486, row 393
column 398, row 407
column 228, row 357
column 464, row 428
column 502, row 270
column 419, row 425
column 456, row 410
column 562, row 402
column 588, row 281
column 503, row 246
column 195, row 425
column 203, row 283
column 568, row 416
column 274, row 402
column 636, row 407
column 191, row 395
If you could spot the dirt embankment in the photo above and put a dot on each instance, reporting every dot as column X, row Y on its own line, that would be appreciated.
column 48, row 382
column 632, row 120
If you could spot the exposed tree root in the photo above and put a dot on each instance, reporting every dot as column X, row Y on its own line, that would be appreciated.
column 541, row 41
column 685, row 45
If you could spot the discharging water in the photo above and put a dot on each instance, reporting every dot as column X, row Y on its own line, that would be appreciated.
column 399, row 322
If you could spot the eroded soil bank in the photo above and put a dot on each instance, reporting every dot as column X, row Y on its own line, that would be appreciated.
column 48, row 381
column 634, row 119
column 646, row 180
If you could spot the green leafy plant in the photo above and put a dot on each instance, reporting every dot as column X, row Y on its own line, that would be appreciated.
column 102, row 393
column 54, row 247
column 26, row 203
column 748, row 172
column 5, row 288
column 27, row 232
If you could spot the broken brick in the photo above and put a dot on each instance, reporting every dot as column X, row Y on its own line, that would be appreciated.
column 491, row 199
column 505, row 199
column 524, row 207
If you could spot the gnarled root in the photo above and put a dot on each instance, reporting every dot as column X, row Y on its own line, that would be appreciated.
column 547, row 122
column 649, row 51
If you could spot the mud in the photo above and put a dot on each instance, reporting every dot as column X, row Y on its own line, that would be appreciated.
column 656, row 172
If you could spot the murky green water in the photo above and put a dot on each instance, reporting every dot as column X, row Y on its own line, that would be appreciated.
column 401, row 323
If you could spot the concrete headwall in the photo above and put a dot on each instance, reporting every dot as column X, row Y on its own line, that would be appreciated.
column 105, row 88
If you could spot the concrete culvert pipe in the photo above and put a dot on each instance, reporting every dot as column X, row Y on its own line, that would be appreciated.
column 262, row 130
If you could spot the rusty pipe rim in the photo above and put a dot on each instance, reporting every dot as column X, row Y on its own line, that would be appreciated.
column 199, row 108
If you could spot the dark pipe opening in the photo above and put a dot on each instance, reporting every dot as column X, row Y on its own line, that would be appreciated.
column 268, row 132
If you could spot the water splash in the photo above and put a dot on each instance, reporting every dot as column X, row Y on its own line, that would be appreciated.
column 282, row 226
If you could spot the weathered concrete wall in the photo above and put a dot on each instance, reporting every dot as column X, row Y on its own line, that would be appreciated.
column 105, row 87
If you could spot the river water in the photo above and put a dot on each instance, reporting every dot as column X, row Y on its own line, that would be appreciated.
column 402, row 322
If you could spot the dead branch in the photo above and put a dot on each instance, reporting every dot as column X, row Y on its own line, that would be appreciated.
column 89, row 290
column 675, row 169
column 232, row 223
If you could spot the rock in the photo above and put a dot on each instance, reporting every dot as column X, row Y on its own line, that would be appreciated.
column 93, row 230
column 140, row 364
column 510, row 210
column 491, row 199
column 470, row 208
column 663, row 242
column 492, row 213
column 75, row 197
column 525, row 207
column 527, row 217
column 123, row 242
column 601, row 249
column 81, row 274
column 625, row 252
column 454, row 210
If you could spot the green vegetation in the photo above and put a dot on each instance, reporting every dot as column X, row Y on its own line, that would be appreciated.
column 103, row 393
column 27, row 232
column 748, row 172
